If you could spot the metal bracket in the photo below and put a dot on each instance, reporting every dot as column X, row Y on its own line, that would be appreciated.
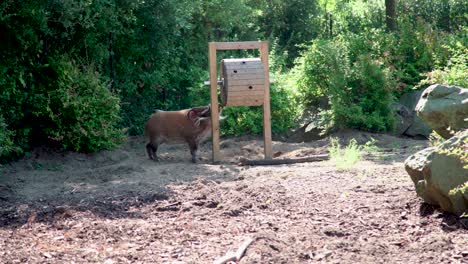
column 220, row 82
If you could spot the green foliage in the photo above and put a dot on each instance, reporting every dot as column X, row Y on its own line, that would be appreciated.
column 414, row 50
column 14, row 132
column 6, row 139
column 357, row 87
column 288, row 23
column 419, row 44
column 341, row 17
column 83, row 111
column 448, row 15
column 371, row 146
column 249, row 120
column 456, row 70
column 344, row 157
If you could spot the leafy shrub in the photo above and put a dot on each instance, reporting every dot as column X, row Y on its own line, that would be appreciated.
column 448, row 15
column 14, row 133
column 249, row 120
column 454, row 73
column 358, row 91
column 83, row 111
column 6, row 139
column 414, row 51
column 243, row 120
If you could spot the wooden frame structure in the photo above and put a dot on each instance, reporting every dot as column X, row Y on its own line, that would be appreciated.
column 213, row 48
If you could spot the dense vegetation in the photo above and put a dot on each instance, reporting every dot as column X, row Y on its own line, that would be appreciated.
column 80, row 74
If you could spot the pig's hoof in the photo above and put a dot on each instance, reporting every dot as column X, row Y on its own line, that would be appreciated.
column 154, row 159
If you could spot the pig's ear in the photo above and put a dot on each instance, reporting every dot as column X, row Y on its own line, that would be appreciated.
column 192, row 115
column 206, row 110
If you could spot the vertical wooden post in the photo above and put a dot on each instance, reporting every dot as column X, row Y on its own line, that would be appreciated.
column 214, row 101
column 266, row 103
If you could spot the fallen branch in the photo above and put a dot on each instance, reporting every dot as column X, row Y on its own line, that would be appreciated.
column 168, row 207
column 235, row 256
column 320, row 157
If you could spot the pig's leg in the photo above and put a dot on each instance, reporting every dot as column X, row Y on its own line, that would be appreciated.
column 151, row 149
column 193, row 150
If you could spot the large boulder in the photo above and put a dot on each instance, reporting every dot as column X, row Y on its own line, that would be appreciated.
column 443, row 107
column 440, row 174
column 417, row 126
column 403, row 118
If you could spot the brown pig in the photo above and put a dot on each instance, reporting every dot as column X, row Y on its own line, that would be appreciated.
column 189, row 125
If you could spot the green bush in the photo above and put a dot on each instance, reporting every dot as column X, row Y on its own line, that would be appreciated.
column 6, row 139
column 243, row 120
column 14, row 131
column 448, row 15
column 454, row 73
column 415, row 50
column 83, row 111
column 249, row 120
column 358, row 91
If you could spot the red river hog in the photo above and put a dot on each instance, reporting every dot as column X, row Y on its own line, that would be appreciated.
column 191, row 126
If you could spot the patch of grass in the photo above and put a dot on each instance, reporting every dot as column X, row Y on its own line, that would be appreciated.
column 370, row 146
column 46, row 166
column 37, row 166
column 55, row 167
column 344, row 157
column 370, row 149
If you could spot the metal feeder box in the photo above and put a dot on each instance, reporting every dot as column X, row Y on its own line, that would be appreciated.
column 243, row 82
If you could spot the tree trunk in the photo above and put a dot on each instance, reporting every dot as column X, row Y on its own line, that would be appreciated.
column 390, row 14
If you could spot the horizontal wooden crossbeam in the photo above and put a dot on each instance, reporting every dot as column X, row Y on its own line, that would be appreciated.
column 237, row 45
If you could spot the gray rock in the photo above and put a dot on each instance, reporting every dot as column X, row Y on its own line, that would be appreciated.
column 411, row 99
column 443, row 107
column 415, row 164
column 439, row 175
column 417, row 127
column 403, row 118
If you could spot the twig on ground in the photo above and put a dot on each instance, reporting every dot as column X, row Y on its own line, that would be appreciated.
column 235, row 256
column 167, row 206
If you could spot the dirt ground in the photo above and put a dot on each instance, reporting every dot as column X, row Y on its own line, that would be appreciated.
column 119, row 207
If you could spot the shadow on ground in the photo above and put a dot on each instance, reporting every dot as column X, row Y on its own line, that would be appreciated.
column 48, row 185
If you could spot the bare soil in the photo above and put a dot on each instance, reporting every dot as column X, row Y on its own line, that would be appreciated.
column 119, row 207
